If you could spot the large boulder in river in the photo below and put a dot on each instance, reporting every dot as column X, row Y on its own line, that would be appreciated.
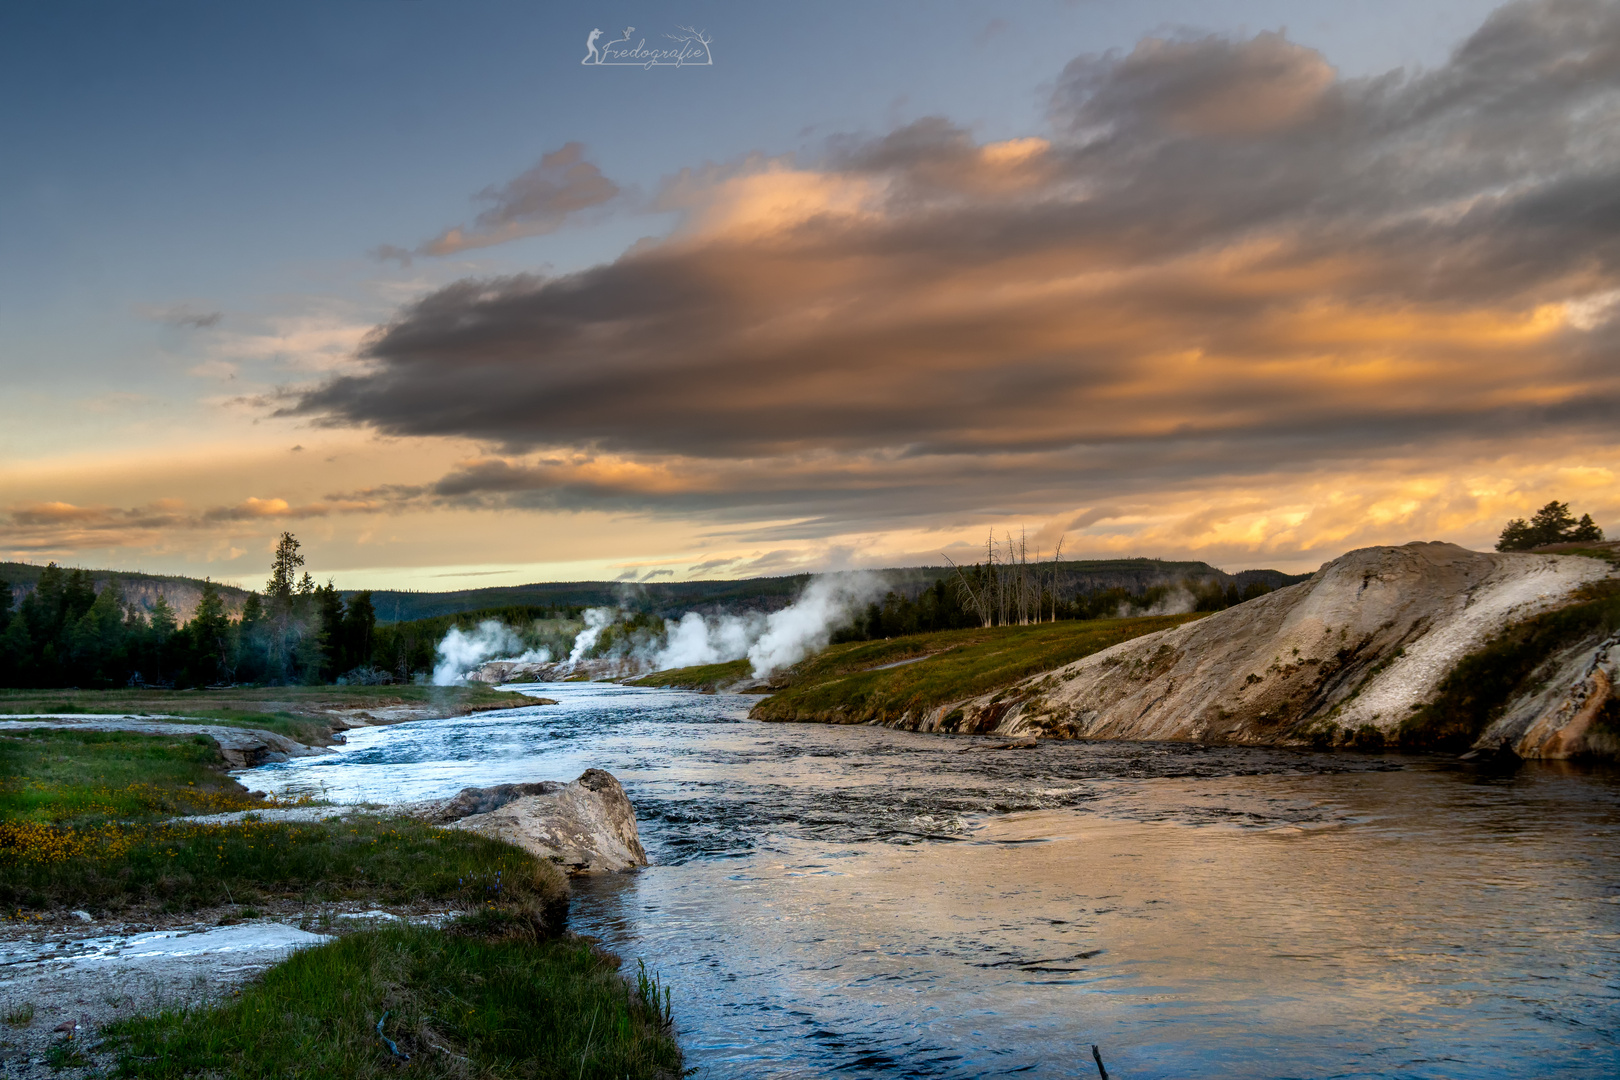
column 587, row 825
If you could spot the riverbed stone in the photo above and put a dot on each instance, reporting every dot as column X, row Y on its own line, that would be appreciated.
column 587, row 825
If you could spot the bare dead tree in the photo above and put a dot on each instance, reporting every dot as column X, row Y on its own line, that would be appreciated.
column 1056, row 557
column 1009, row 587
column 1022, row 575
column 968, row 595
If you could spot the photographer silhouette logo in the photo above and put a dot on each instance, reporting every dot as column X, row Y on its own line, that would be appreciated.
column 690, row 48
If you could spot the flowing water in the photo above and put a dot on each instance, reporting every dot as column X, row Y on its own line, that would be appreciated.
column 864, row 902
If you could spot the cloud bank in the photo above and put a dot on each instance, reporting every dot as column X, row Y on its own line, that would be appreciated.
column 1219, row 260
column 1222, row 303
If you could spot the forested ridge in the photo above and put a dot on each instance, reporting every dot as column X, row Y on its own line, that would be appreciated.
column 66, row 632
column 97, row 629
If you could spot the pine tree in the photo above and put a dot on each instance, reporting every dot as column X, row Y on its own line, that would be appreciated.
column 210, row 630
column 97, row 638
column 283, row 570
column 1552, row 524
column 163, row 623
column 5, row 602
column 45, row 605
column 283, row 629
column 250, row 632
column 359, row 627
column 78, row 594
column 16, row 653
column 1586, row 530
column 329, row 610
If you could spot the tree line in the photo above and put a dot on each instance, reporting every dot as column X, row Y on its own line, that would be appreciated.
column 947, row 605
column 1552, row 524
column 66, row 633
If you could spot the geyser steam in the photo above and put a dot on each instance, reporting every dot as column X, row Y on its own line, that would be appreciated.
column 769, row 642
column 805, row 627
column 460, row 651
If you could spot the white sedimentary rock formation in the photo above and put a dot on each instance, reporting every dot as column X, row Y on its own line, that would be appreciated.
column 1361, row 646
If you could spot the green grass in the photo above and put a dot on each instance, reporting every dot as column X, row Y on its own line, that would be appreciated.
column 704, row 677
column 499, row 992
column 85, row 777
column 458, row 1004
column 65, row 1055
column 1481, row 685
column 840, row 685
column 303, row 713
column 83, row 824
column 181, row 867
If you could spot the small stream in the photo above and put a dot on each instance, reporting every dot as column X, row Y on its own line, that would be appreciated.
column 872, row 903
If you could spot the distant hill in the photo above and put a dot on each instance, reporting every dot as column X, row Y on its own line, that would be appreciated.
column 660, row 598
column 141, row 590
column 772, row 594
column 664, row 598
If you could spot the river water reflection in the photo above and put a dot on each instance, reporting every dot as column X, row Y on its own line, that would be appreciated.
column 866, row 902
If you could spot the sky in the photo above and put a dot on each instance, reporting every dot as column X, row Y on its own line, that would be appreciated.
column 1249, row 282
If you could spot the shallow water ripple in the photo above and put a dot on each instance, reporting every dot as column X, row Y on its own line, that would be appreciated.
column 864, row 902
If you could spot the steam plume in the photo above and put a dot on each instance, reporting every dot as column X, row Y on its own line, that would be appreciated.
column 460, row 651
column 806, row 627
column 769, row 642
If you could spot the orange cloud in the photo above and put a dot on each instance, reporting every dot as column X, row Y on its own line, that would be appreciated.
column 1224, row 302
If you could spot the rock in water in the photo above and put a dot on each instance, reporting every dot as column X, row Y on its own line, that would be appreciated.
column 588, row 825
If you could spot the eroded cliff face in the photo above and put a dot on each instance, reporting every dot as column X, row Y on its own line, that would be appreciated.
column 1572, row 708
column 1357, row 649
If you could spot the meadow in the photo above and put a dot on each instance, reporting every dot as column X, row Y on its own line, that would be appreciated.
column 308, row 714
column 95, row 821
column 882, row 681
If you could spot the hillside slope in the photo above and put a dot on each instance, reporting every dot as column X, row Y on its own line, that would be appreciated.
column 892, row 682
column 734, row 596
column 1351, row 655
column 668, row 598
column 139, row 590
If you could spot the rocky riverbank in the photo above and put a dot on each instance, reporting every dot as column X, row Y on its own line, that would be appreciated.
column 1352, row 656
column 586, row 825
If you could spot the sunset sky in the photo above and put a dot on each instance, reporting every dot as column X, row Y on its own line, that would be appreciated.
column 1253, row 283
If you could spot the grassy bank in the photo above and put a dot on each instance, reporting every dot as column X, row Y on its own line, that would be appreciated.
column 89, row 777
column 86, row 824
column 706, row 678
column 459, row 1004
column 499, row 991
column 882, row 681
column 116, row 869
column 304, row 713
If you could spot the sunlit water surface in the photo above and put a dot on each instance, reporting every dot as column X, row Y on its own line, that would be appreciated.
column 865, row 902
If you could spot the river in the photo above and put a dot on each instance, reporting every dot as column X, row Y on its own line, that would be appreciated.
column 872, row 903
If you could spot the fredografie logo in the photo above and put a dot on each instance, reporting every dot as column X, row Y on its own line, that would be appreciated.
column 690, row 49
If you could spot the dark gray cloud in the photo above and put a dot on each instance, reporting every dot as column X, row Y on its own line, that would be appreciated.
column 54, row 526
column 182, row 315
column 1219, row 256
column 536, row 201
